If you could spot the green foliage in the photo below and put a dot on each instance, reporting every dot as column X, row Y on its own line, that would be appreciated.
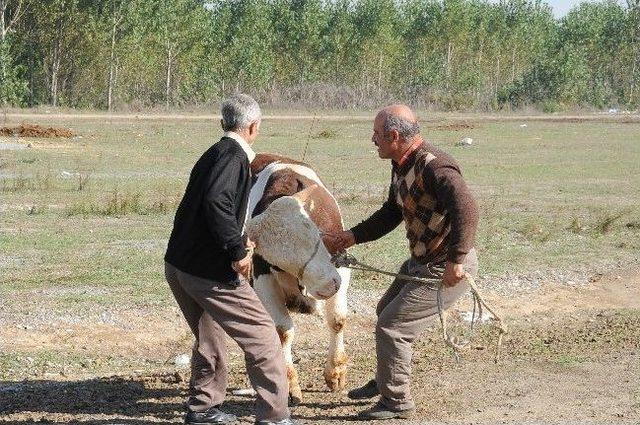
column 446, row 54
column 13, row 87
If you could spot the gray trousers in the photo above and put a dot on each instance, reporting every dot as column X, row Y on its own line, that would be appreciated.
column 404, row 312
column 213, row 309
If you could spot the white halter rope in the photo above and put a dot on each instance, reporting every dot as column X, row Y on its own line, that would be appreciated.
column 344, row 259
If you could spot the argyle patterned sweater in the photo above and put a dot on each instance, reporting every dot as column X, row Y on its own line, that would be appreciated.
column 428, row 193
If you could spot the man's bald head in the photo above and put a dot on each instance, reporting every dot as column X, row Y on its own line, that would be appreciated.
column 400, row 118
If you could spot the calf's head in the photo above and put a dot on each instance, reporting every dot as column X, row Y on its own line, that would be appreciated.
column 286, row 237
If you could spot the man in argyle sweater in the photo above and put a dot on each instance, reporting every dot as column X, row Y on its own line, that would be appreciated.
column 440, row 215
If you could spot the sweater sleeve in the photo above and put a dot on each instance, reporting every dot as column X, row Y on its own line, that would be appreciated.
column 220, row 205
column 454, row 195
column 380, row 222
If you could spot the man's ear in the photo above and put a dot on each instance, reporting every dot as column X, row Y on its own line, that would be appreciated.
column 395, row 136
column 253, row 127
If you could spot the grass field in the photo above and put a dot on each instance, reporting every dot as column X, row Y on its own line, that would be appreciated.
column 84, row 221
column 96, row 211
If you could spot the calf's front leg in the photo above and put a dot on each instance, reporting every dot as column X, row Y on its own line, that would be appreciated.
column 335, row 313
column 272, row 296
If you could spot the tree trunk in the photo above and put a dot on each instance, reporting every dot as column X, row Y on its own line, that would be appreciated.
column 3, row 8
column 380, row 76
column 112, row 66
column 55, row 68
column 168, row 79
column 495, row 93
column 449, row 57
column 633, row 78
column 5, row 26
column 513, row 64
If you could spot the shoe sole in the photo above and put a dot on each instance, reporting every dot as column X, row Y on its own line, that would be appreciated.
column 362, row 397
column 396, row 415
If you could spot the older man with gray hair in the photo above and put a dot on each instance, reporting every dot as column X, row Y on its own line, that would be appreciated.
column 207, row 264
column 428, row 193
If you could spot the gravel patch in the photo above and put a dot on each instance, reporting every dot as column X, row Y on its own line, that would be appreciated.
column 8, row 146
column 513, row 284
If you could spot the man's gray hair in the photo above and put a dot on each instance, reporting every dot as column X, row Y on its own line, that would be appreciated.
column 407, row 129
column 239, row 111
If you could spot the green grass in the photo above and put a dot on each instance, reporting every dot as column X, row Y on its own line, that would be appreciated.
column 96, row 211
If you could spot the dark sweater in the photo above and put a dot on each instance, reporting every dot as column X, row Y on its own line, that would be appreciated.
column 428, row 192
column 207, row 230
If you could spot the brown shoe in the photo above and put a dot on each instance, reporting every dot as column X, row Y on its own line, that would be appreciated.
column 381, row 412
column 368, row 390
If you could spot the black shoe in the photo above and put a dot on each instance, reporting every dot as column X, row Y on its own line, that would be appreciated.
column 368, row 390
column 211, row 416
column 380, row 412
column 286, row 421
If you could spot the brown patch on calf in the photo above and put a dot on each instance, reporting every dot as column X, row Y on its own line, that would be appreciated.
column 337, row 324
column 325, row 214
column 298, row 303
column 281, row 183
column 282, row 333
column 261, row 161
column 292, row 374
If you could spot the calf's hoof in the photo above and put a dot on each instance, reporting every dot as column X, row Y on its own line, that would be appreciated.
column 295, row 398
column 336, row 377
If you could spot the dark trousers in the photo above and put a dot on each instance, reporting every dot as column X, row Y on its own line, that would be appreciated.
column 213, row 309
column 404, row 312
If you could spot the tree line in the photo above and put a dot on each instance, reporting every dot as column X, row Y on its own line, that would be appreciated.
column 443, row 54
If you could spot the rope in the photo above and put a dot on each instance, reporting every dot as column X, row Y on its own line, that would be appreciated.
column 344, row 259
column 315, row 252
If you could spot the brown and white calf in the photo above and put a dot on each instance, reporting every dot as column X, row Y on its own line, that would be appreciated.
column 290, row 210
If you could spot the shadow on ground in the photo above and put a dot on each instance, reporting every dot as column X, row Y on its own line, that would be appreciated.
column 134, row 400
column 130, row 397
column 124, row 400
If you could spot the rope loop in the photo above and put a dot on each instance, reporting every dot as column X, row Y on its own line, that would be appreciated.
column 344, row 259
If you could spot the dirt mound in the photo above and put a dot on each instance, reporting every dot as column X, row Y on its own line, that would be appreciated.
column 455, row 126
column 35, row 130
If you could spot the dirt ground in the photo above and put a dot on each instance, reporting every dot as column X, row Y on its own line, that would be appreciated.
column 572, row 356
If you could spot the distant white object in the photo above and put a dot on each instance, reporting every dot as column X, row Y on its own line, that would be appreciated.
column 467, row 141
column 523, row 125
column 106, row 317
column 182, row 360
column 613, row 111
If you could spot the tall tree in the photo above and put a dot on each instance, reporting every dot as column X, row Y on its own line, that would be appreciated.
column 12, row 87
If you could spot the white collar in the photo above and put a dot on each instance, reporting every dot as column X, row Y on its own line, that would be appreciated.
column 243, row 144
